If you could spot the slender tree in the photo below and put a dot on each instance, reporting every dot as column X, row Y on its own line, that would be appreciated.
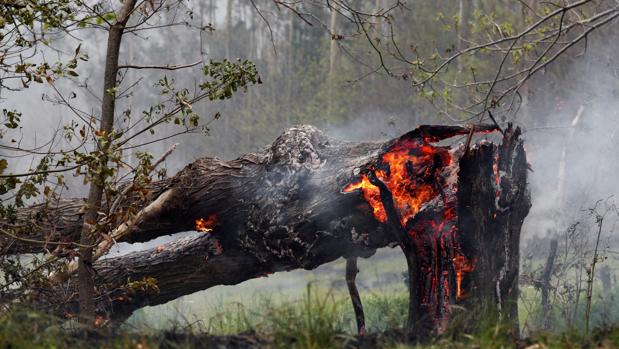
column 95, row 194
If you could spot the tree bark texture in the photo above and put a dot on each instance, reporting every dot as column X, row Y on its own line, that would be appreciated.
column 300, row 204
column 493, row 203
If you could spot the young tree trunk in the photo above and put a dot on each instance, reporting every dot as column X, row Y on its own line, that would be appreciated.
column 309, row 199
column 95, row 194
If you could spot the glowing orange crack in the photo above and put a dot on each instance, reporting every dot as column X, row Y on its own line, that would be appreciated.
column 206, row 225
column 409, row 170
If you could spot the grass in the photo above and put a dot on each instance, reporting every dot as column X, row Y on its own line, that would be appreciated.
column 386, row 310
column 320, row 318
column 302, row 310
column 380, row 282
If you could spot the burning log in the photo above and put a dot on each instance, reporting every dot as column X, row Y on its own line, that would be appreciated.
column 448, row 209
column 307, row 200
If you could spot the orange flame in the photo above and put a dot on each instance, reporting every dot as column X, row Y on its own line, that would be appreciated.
column 408, row 161
column 414, row 172
column 462, row 266
column 206, row 225
column 371, row 193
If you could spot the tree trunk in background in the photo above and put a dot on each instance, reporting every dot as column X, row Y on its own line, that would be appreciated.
column 211, row 13
column 333, row 42
column 561, row 176
column 332, row 62
column 375, row 77
column 525, row 8
column 463, row 25
column 464, row 13
column 228, row 27
column 289, row 70
column 545, row 284
column 95, row 194
column 227, row 54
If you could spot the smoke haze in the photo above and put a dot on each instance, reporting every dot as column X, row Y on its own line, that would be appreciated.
column 570, row 115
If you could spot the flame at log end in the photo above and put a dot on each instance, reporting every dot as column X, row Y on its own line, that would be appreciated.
column 206, row 225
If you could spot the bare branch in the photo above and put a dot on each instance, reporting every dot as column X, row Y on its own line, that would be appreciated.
column 160, row 67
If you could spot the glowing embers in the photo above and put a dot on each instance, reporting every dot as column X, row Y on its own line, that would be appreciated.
column 462, row 266
column 409, row 169
column 206, row 225
column 416, row 173
column 371, row 193
column 497, row 174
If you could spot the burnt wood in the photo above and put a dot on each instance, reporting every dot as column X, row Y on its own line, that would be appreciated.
column 284, row 208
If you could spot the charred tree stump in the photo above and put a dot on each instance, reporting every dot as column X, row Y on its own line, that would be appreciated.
column 307, row 200
column 493, row 202
column 456, row 214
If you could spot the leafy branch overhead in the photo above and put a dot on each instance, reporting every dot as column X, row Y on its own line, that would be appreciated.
column 492, row 54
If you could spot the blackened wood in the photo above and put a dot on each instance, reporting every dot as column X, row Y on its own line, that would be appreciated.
column 493, row 201
column 284, row 209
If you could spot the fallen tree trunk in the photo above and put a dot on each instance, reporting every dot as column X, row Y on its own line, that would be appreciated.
column 307, row 200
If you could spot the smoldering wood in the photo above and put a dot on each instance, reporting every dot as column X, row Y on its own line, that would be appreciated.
column 493, row 201
column 277, row 210
column 283, row 209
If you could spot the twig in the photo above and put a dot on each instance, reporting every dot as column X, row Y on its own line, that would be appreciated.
column 495, row 123
column 132, row 185
column 161, row 67
column 41, row 242
column 469, row 137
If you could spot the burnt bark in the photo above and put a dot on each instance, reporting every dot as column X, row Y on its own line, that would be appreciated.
column 493, row 201
column 277, row 210
column 286, row 208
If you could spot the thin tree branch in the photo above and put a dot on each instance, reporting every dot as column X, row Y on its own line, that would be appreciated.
column 160, row 67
